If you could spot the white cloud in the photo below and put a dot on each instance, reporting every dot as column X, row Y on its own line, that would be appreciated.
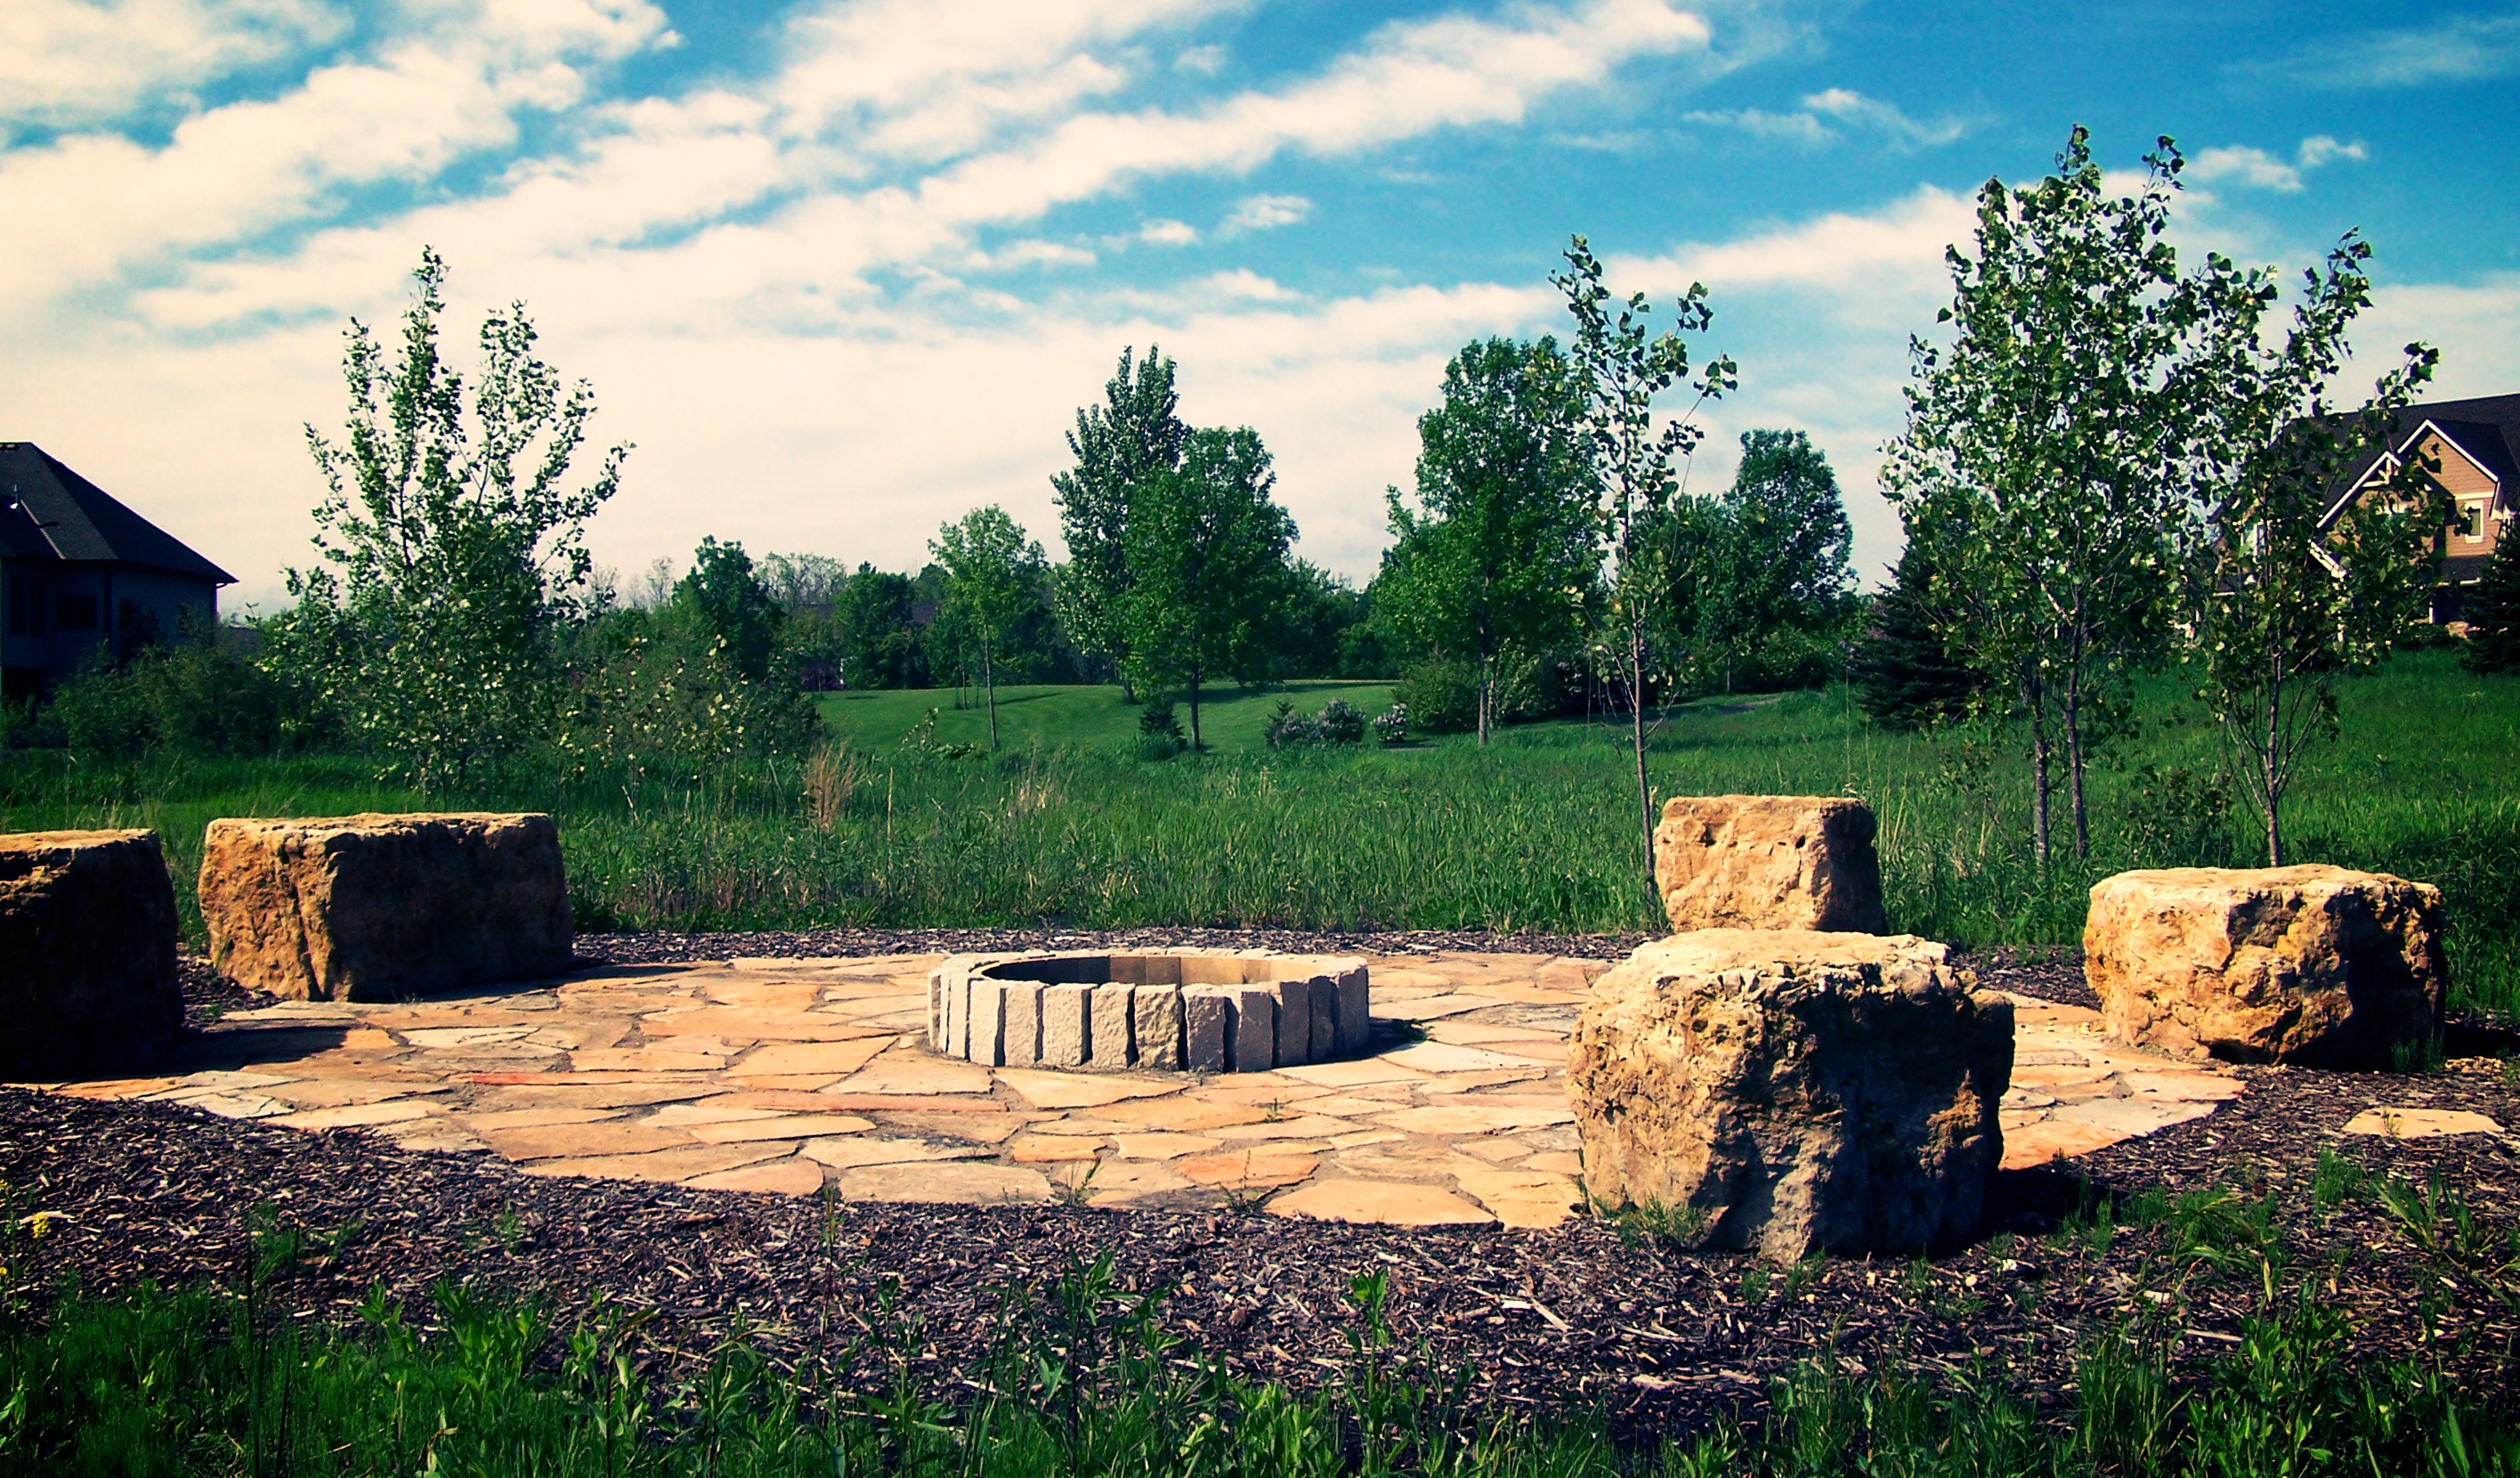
column 2452, row 49
column 1168, row 233
column 70, row 62
column 2258, row 170
column 1267, row 212
column 1828, row 116
column 1202, row 60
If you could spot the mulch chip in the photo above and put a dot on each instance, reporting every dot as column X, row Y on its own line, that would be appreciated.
column 1578, row 1318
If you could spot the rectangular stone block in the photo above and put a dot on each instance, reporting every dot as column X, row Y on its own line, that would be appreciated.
column 1155, row 1019
column 1251, row 1040
column 1326, row 1021
column 1112, row 1047
column 1066, row 1024
column 1205, row 1010
column 87, row 954
column 1356, row 1010
column 1295, row 1022
column 379, row 907
column 954, row 1036
column 988, row 1041
column 1768, row 862
column 1022, row 1038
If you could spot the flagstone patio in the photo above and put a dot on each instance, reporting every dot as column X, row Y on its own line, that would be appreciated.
column 794, row 1075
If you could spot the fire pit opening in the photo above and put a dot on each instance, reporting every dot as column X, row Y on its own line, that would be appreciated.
column 1162, row 1010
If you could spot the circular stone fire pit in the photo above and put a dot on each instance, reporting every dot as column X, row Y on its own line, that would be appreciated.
column 1177, row 1011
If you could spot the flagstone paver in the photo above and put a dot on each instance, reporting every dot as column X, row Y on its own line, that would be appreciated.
column 790, row 1077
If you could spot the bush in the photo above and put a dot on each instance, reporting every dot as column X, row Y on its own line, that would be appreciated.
column 1441, row 695
column 1340, row 722
column 1159, row 732
column 198, row 696
column 1391, row 726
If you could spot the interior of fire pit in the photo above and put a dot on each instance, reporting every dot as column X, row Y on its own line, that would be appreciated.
column 1160, row 1011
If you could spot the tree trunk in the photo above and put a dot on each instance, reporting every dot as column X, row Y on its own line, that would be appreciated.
column 1637, row 729
column 2074, row 767
column 1487, row 680
column 2039, row 773
column 989, row 683
column 1196, row 743
column 2274, row 774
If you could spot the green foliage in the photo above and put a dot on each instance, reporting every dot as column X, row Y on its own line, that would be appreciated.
column 878, row 646
column 2282, row 597
column 1443, row 696
column 198, row 696
column 1902, row 670
column 1502, row 551
column 1207, row 567
column 993, row 578
column 2492, row 610
column 730, row 609
column 1339, row 722
column 451, row 542
column 2038, row 463
column 1621, row 368
column 1323, row 630
column 1134, row 436
column 1776, row 561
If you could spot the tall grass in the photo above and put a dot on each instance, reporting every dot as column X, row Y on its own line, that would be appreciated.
column 1531, row 834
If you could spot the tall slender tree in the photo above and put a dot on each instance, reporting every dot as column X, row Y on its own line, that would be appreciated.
column 2039, row 458
column 2290, row 584
column 1500, row 552
column 1622, row 368
column 1207, row 566
column 991, row 572
column 1135, row 433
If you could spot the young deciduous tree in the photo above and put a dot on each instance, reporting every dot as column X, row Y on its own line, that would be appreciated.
column 1778, row 558
column 1134, row 435
column 2290, row 584
column 1207, row 565
column 451, row 539
column 1501, row 550
column 1622, row 367
column 991, row 572
column 732, row 607
column 2039, row 458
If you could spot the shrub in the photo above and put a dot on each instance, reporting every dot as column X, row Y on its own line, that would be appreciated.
column 1442, row 695
column 1159, row 732
column 1340, row 722
column 1391, row 726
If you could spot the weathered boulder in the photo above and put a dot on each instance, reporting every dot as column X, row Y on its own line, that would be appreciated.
column 2313, row 964
column 1768, row 862
column 1790, row 1090
column 374, row 907
column 87, row 953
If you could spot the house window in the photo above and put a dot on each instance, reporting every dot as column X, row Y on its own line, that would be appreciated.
column 2471, row 522
column 74, row 613
column 25, row 606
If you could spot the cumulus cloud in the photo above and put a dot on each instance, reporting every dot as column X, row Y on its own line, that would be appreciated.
column 2258, row 170
column 65, row 64
column 1168, row 233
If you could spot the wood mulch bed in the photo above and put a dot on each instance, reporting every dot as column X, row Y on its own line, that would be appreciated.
column 1585, row 1317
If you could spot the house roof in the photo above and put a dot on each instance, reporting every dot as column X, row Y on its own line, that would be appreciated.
column 63, row 516
column 2486, row 429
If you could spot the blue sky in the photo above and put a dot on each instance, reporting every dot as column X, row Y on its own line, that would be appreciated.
column 844, row 268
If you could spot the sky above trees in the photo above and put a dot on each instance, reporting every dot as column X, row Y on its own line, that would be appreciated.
column 841, row 270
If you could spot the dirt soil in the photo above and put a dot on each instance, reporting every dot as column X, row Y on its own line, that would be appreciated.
column 1588, row 1316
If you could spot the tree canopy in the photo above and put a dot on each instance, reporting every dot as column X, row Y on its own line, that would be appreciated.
column 1206, row 566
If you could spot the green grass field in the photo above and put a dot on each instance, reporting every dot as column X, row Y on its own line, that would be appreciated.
column 1067, row 826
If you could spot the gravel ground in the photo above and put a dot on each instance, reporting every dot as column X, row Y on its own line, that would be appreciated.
column 1584, row 1316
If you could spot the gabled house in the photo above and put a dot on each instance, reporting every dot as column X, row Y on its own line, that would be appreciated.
column 79, row 569
column 2473, row 447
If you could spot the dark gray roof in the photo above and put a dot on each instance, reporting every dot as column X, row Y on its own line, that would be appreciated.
column 63, row 516
column 2487, row 428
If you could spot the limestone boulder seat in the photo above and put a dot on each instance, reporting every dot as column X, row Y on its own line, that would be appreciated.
column 1768, row 862
column 1791, row 1090
column 87, row 954
column 2317, row 965
column 374, row 907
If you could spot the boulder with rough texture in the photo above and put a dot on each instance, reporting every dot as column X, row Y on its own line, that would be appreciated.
column 374, row 907
column 2314, row 965
column 87, row 954
column 1792, row 1092
column 1768, row 862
